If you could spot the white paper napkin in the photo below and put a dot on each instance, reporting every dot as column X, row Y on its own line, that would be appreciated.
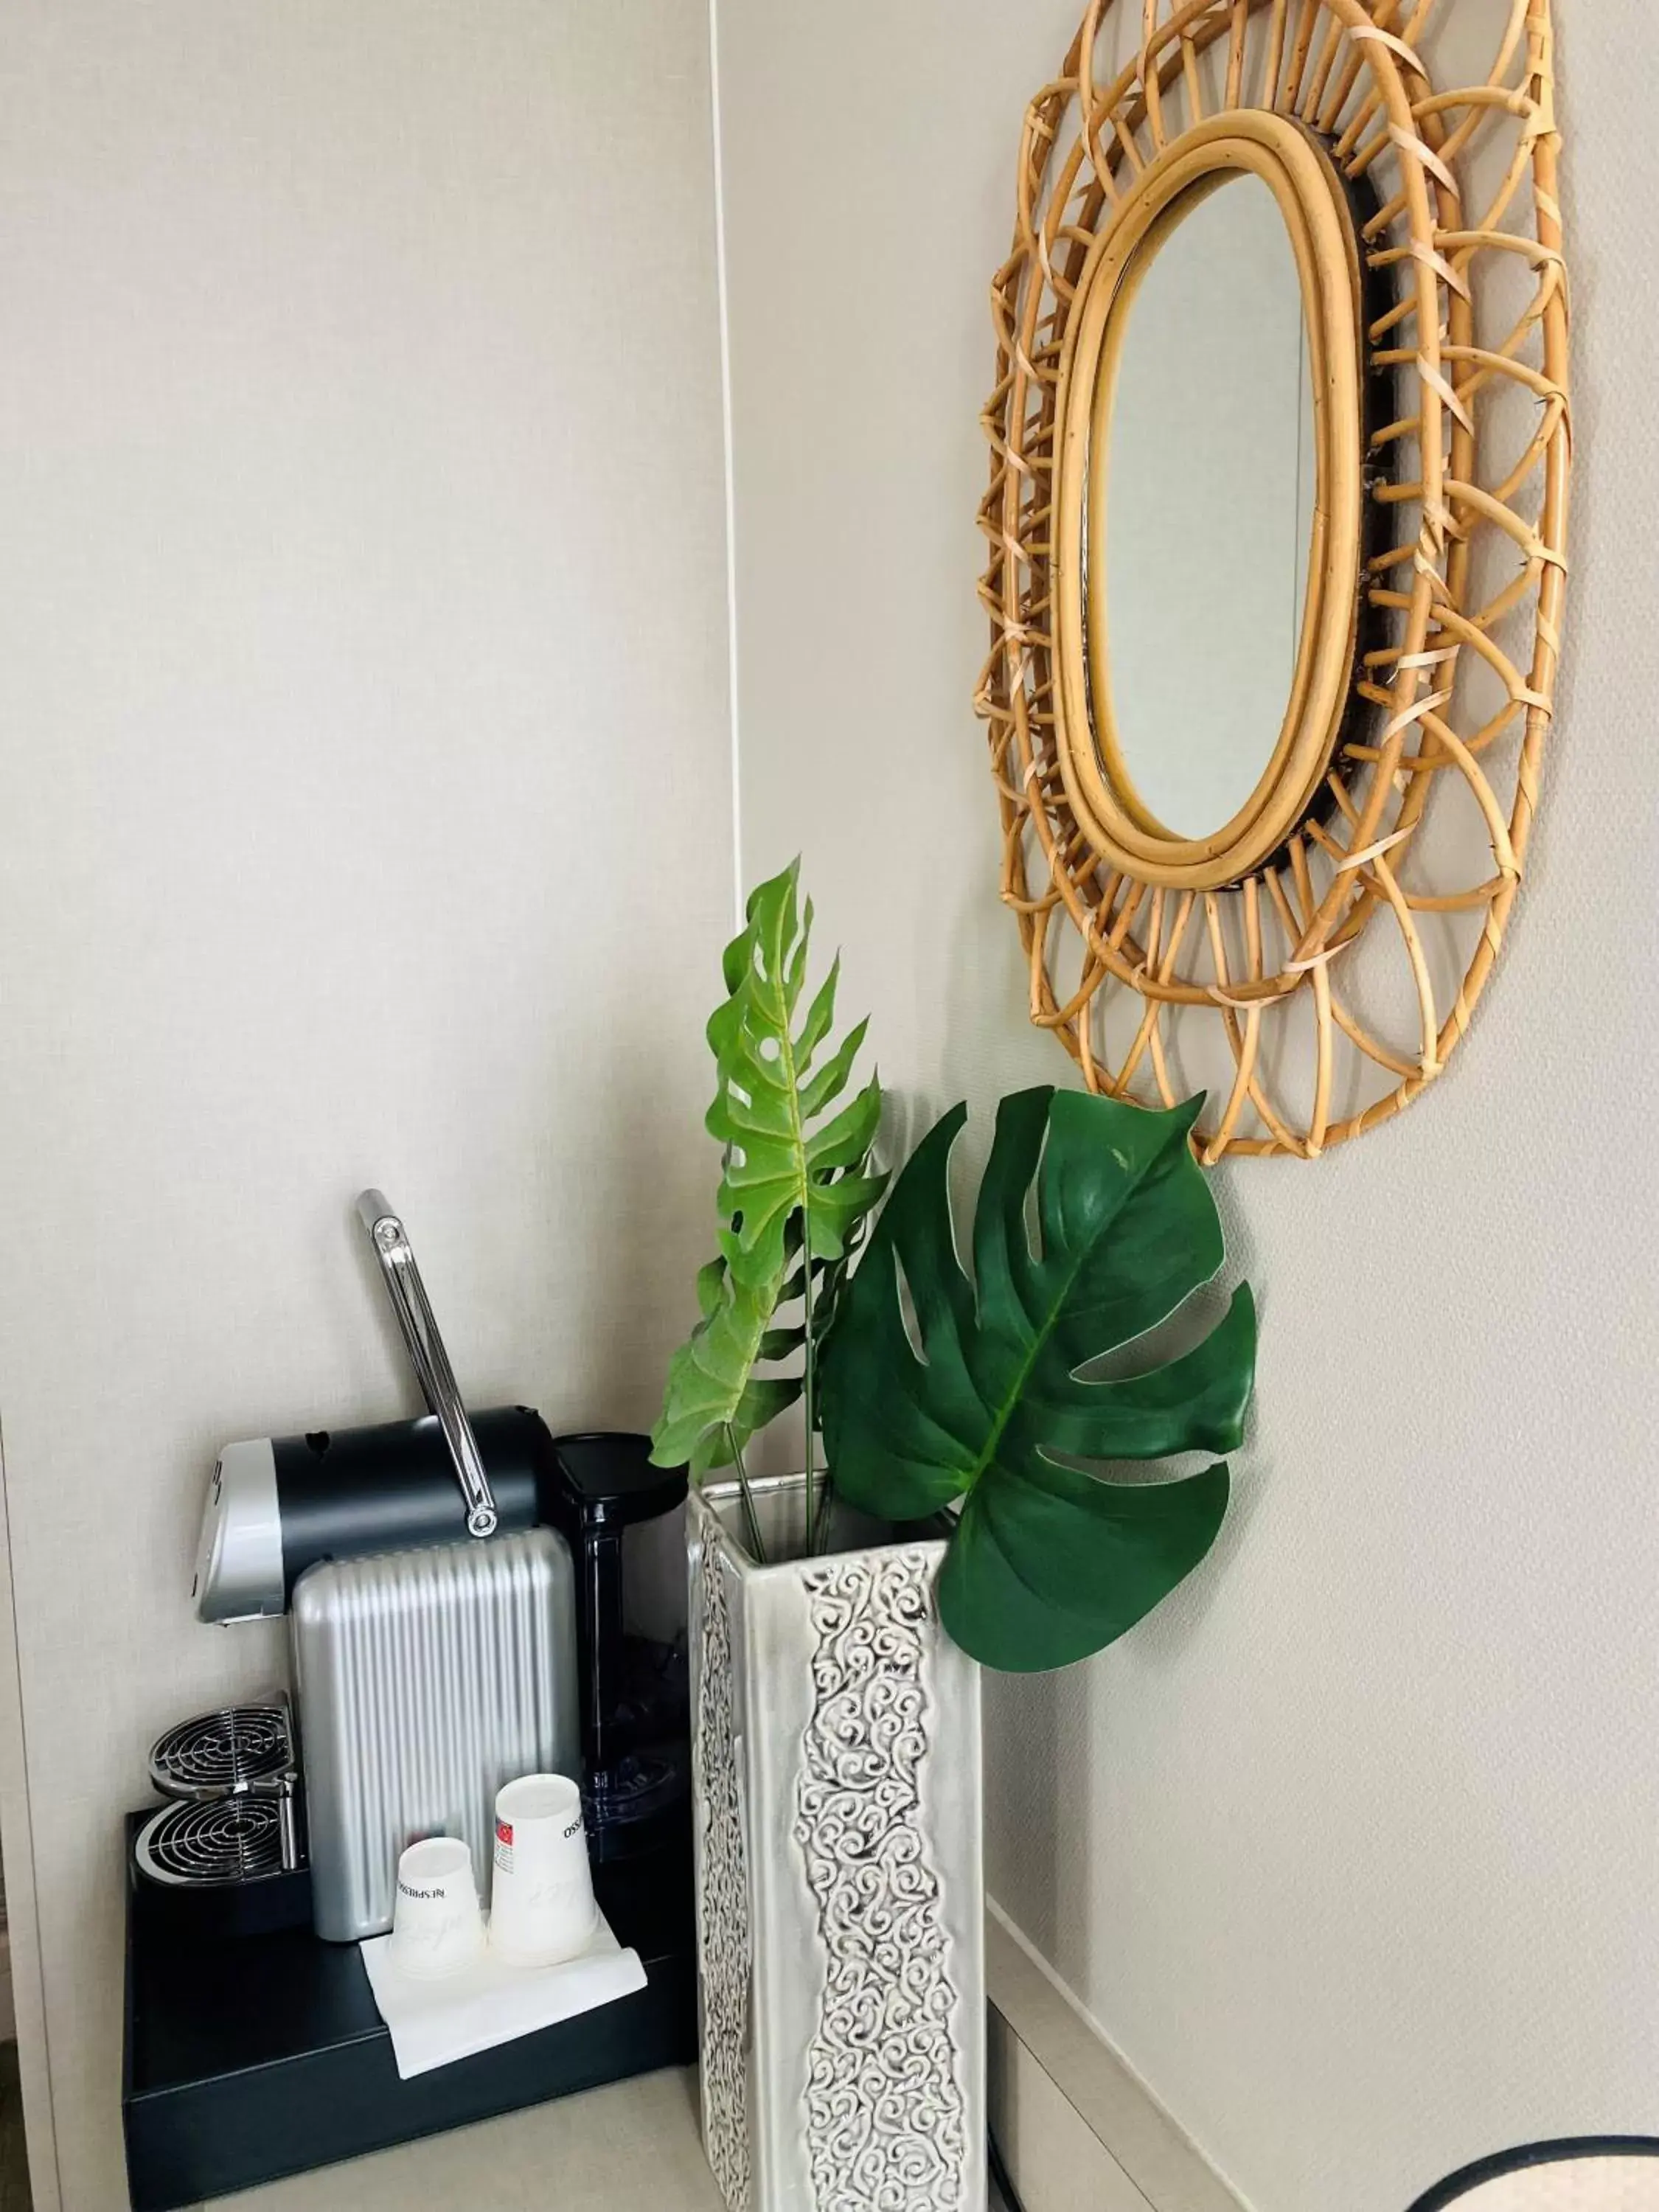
column 491, row 2001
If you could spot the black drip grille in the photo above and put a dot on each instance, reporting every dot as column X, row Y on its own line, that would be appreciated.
column 220, row 1839
column 229, row 1750
column 232, row 1774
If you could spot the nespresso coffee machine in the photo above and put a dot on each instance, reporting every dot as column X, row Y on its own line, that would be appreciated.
column 278, row 1505
column 253, row 2047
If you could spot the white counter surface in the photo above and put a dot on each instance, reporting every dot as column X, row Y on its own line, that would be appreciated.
column 632, row 2148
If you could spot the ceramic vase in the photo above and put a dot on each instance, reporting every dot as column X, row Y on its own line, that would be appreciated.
column 836, row 1772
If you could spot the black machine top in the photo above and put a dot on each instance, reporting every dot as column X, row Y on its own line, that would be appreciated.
column 609, row 1481
column 391, row 1486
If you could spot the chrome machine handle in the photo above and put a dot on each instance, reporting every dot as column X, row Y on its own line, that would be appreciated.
column 433, row 1372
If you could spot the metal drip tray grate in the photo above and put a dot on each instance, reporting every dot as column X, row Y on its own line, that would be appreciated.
column 235, row 1781
column 221, row 1839
column 236, row 1749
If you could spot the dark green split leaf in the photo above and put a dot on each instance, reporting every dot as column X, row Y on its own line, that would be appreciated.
column 1048, row 1562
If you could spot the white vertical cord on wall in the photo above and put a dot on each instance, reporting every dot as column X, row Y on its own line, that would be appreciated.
column 726, row 436
column 29, row 1997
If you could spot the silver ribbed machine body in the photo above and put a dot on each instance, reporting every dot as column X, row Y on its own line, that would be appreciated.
column 424, row 1679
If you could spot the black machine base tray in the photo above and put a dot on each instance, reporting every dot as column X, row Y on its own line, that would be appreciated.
column 258, row 2055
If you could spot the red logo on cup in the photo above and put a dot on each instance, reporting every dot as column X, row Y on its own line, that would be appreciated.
column 504, row 1832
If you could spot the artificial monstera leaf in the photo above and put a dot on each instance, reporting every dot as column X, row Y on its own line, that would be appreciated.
column 714, row 1402
column 1048, row 1562
column 784, row 1163
column 795, row 1195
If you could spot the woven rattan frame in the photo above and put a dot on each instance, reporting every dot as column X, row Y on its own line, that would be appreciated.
column 1244, row 953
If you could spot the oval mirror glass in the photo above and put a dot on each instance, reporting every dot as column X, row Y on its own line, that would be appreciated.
column 1204, row 506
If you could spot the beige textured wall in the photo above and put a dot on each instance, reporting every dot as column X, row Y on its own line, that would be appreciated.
column 364, row 803
column 1350, row 1849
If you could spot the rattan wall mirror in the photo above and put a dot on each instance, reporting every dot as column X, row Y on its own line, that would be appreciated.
column 1276, row 543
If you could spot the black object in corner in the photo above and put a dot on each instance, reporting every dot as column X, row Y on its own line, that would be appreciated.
column 636, row 1753
column 1576, row 2152
column 1000, row 2180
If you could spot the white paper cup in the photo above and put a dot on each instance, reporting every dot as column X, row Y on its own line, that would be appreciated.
column 541, row 1892
column 436, row 1925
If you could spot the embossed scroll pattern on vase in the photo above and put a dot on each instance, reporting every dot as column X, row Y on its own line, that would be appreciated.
column 723, row 1933
column 1326, row 988
column 886, row 2117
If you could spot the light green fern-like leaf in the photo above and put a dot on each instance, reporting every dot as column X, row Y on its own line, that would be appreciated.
column 714, row 1402
column 796, row 1190
column 782, row 1160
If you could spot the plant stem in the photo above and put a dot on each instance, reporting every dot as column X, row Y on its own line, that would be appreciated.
column 826, row 1513
column 808, row 1371
column 817, row 1523
column 751, row 1519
